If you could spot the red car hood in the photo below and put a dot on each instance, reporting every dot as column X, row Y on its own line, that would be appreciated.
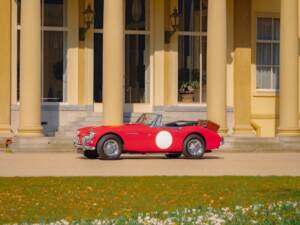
column 86, row 130
column 97, row 128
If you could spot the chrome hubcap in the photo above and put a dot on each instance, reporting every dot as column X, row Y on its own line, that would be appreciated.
column 195, row 147
column 111, row 148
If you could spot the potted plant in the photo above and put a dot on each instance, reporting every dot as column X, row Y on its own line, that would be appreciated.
column 187, row 91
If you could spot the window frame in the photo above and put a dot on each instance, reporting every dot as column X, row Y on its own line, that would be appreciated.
column 65, row 30
column 148, row 82
column 200, row 34
column 147, row 34
column 268, row 91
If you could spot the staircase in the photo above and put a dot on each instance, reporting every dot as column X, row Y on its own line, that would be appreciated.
column 63, row 138
column 92, row 119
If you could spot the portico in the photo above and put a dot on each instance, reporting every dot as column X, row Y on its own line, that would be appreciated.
column 124, row 65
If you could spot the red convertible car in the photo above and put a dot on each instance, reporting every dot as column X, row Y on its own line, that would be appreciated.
column 149, row 135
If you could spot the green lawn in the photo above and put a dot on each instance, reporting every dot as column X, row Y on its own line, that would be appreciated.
column 44, row 199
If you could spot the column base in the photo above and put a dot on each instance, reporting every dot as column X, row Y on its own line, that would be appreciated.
column 5, row 131
column 223, row 131
column 30, row 132
column 244, row 131
column 288, row 132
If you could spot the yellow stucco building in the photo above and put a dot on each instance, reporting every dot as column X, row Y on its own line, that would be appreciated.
column 235, row 62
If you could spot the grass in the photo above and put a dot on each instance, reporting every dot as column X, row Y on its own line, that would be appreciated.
column 52, row 199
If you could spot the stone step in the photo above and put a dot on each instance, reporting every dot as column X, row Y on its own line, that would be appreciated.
column 46, row 149
column 76, row 125
column 79, row 125
column 93, row 119
column 42, row 144
column 67, row 134
column 96, row 119
column 236, row 144
column 261, row 144
column 60, row 140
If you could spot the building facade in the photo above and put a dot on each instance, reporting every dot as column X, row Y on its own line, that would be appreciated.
column 235, row 62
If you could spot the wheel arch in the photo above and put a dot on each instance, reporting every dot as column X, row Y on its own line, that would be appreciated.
column 110, row 133
column 195, row 133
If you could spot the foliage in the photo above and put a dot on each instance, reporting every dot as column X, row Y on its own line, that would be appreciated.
column 274, row 213
column 89, row 198
column 189, row 87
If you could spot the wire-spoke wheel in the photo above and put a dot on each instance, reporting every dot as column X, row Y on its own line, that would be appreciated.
column 110, row 147
column 194, row 147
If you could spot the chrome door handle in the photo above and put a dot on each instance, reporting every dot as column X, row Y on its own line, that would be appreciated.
column 133, row 133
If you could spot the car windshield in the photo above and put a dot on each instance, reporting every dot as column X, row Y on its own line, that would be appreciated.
column 147, row 119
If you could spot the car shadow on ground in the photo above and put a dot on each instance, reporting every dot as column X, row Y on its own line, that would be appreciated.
column 156, row 157
column 149, row 157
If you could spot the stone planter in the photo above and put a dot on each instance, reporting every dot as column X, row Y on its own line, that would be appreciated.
column 187, row 98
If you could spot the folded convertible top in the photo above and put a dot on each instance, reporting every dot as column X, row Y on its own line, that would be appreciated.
column 203, row 123
column 209, row 125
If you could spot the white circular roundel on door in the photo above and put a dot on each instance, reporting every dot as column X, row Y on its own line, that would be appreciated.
column 164, row 140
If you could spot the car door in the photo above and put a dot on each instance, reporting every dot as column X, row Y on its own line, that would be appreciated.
column 164, row 139
column 137, row 137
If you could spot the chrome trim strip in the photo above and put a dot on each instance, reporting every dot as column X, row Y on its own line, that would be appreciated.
column 222, row 141
column 84, row 147
column 88, row 148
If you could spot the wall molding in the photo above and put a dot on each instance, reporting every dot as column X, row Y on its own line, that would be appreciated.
column 266, row 116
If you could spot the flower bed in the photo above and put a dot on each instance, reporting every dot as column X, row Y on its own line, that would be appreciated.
column 276, row 213
column 51, row 199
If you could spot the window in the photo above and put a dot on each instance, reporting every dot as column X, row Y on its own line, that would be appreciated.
column 137, row 51
column 267, row 53
column 54, row 36
column 192, row 43
column 137, row 48
column 98, row 50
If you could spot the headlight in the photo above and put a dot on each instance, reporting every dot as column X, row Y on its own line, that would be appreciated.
column 90, row 136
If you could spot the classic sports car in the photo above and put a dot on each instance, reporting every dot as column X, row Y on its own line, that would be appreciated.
column 149, row 135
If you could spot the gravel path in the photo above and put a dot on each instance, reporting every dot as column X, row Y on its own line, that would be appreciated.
column 214, row 164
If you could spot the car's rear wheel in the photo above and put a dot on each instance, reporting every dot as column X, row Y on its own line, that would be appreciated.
column 110, row 147
column 194, row 147
column 173, row 155
column 91, row 154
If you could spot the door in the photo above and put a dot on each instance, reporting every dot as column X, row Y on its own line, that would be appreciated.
column 138, row 137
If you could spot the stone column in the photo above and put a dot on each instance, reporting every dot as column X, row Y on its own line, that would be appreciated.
column 72, row 53
column 242, row 68
column 159, row 56
column 5, row 72
column 289, row 70
column 88, row 58
column 30, row 69
column 113, row 62
column 216, row 63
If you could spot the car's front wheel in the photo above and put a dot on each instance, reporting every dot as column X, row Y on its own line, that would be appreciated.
column 110, row 147
column 173, row 155
column 194, row 147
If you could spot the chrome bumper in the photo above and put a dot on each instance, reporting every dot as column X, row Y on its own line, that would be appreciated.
column 83, row 148
column 222, row 141
column 88, row 148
